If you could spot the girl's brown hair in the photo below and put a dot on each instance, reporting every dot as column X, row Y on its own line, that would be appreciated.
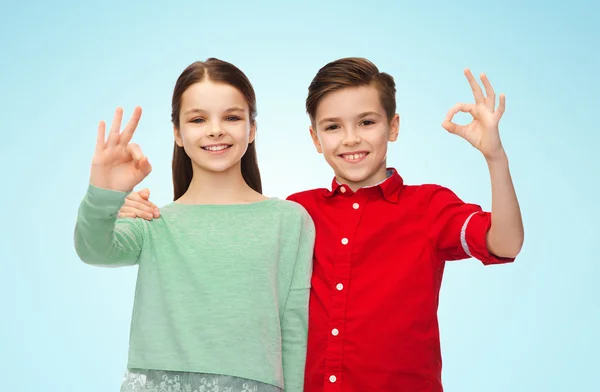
column 222, row 72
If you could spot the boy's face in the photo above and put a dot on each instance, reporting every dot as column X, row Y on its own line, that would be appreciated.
column 352, row 131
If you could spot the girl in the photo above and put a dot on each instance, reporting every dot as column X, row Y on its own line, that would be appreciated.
column 221, row 299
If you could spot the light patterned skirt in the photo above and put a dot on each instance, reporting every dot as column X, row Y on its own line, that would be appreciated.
column 136, row 380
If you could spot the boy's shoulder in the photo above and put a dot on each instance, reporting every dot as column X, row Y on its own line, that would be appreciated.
column 414, row 190
column 425, row 189
column 427, row 196
column 308, row 194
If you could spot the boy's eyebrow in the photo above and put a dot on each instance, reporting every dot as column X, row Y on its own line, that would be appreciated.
column 362, row 115
column 230, row 110
column 369, row 113
column 329, row 119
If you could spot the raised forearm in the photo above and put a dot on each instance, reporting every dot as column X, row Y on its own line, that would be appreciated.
column 506, row 235
column 99, row 239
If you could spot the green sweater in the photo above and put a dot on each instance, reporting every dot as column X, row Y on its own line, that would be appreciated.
column 221, row 289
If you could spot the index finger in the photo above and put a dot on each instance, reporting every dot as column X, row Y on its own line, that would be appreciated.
column 131, row 125
column 101, row 135
column 477, row 92
column 459, row 107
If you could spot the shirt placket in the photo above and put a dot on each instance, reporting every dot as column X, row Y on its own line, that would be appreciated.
column 351, row 207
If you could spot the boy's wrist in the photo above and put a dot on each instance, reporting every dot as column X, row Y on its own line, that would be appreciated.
column 499, row 157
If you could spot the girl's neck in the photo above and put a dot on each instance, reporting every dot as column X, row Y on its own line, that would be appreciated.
column 227, row 187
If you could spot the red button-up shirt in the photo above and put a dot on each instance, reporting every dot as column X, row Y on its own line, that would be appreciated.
column 378, row 265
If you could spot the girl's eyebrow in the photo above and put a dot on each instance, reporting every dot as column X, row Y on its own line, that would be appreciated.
column 230, row 110
column 234, row 109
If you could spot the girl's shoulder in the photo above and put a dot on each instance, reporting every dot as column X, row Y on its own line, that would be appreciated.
column 289, row 207
column 270, row 206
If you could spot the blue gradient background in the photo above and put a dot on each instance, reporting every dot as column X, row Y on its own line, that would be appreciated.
column 530, row 326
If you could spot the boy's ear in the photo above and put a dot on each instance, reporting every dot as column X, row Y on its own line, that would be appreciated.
column 177, row 135
column 315, row 138
column 252, row 133
column 394, row 128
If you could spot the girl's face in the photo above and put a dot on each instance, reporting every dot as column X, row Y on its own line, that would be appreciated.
column 214, row 127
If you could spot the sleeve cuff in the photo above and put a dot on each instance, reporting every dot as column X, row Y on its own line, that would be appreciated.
column 104, row 201
column 473, row 239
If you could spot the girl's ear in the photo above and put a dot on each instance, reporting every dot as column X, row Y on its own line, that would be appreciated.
column 252, row 132
column 177, row 135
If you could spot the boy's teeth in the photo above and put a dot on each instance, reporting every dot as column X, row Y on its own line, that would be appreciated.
column 354, row 157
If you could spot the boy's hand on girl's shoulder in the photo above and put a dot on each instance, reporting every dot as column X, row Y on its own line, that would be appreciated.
column 138, row 205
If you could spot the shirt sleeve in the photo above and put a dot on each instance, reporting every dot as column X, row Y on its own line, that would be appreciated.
column 458, row 229
column 294, row 324
column 101, row 238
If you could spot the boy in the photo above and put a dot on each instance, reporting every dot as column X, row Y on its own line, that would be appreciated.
column 381, row 245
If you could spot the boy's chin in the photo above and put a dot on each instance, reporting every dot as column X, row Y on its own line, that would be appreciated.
column 354, row 176
column 362, row 176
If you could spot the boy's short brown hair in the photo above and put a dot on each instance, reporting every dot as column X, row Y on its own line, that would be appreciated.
column 351, row 72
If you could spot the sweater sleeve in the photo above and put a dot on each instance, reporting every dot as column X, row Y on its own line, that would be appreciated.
column 101, row 238
column 294, row 325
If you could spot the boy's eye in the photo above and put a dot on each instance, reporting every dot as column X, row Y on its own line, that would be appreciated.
column 197, row 120
column 331, row 127
column 233, row 118
column 368, row 122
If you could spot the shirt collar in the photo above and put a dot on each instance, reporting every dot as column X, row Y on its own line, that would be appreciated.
column 390, row 187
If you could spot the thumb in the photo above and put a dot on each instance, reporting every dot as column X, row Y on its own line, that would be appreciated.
column 145, row 168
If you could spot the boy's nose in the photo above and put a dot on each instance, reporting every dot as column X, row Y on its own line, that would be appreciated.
column 352, row 139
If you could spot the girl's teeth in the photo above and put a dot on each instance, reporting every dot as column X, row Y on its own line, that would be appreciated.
column 216, row 148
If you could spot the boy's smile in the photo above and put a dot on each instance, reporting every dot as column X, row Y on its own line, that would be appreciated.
column 354, row 157
column 352, row 131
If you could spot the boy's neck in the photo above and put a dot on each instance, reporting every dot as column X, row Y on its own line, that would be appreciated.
column 373, row 180
column 226, row 187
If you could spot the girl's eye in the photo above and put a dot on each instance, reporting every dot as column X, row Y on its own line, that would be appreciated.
column 331, row 127
column 233, row 118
